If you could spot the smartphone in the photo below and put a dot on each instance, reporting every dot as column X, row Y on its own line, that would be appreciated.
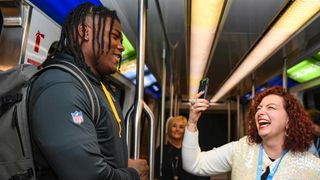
column 204, row 83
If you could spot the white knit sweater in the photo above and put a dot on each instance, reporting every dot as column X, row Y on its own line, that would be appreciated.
column 241, row 158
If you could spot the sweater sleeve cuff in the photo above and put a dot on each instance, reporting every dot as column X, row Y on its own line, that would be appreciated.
column 190, row 138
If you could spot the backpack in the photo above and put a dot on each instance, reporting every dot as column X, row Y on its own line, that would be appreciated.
column 16, row 161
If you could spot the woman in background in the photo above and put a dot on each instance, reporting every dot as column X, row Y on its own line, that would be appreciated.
column 279, row 134
column 172, row 163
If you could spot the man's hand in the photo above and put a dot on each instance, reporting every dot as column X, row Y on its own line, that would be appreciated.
column 141, row 166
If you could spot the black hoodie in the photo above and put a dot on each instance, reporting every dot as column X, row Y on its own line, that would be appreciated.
column 67, row 145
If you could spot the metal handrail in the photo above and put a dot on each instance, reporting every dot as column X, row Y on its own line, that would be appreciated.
column 128, row 128
column 140, row 76
column 137, row 130
column 139, row 102
column 163, row 102
column 151, row 140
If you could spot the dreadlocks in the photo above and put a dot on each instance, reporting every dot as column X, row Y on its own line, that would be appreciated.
column 69, row 40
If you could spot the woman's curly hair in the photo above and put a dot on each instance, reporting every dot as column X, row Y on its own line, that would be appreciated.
column 299, row 132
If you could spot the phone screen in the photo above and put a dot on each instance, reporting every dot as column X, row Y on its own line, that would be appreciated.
column 204, row 83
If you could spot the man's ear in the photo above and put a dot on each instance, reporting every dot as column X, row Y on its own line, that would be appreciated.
column 83, row 31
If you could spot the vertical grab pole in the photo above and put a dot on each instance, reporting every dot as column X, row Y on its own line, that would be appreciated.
column 163, row 102
column 238, row 116
column 140, row 77
column 172, row 88
column 128, row 120
column 253, row 86
column 151, row 140
column 229, row 120
column 176, row 105
column 139, row 102
column 284, row 74
column 284, row 70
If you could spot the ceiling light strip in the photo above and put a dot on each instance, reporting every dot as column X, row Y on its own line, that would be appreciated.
column 297, row 15
column 205, row 16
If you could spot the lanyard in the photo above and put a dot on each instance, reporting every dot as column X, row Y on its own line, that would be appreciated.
column 274, row 169
column 174, row 165
column 318, row 145
column 114, row 110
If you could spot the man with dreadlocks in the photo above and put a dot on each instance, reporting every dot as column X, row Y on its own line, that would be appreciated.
column 67, row 144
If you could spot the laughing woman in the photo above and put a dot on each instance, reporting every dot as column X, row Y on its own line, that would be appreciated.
column 279, row 135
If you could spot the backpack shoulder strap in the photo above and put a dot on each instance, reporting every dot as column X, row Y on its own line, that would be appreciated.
column 81, row 77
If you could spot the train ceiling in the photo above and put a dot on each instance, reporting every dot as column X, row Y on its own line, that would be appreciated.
column 242, row 25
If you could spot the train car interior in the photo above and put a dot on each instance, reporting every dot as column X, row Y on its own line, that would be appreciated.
column 241, row 46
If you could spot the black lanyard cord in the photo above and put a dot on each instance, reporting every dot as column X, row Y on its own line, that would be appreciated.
column 174, row 166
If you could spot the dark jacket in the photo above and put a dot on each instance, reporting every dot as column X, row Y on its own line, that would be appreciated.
column 172, row 165
column 65, row 147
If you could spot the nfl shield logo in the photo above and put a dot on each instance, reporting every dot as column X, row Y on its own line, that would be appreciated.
column 77, row 117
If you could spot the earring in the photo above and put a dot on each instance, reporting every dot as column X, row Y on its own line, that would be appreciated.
column 286, row 132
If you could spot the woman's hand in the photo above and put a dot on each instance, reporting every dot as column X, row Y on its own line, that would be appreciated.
column 197, row 106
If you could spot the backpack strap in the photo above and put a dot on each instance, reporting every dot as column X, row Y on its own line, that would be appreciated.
column 81, row 77
column 28, row 174
column 7, row 101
